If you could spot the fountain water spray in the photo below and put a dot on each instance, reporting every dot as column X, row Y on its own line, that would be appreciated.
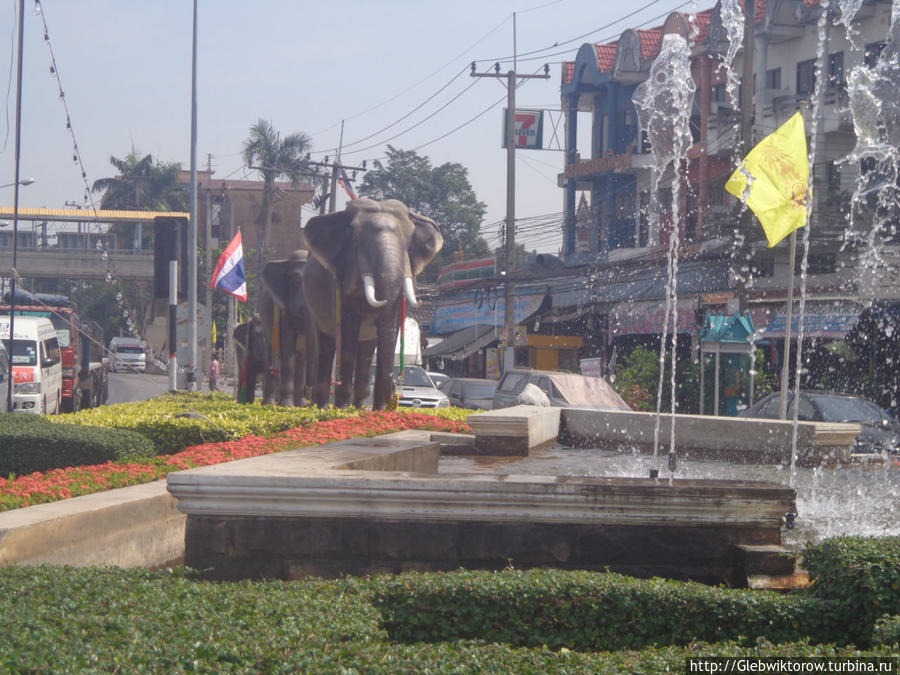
column 664, row 102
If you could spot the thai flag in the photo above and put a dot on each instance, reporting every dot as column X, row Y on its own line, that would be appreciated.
column 345, row 183
column 229, row 273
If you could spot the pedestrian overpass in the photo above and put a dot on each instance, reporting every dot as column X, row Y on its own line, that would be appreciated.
column 54, row 262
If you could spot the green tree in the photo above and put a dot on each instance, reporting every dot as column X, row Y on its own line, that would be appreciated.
column 273, row 156
column 442, row 193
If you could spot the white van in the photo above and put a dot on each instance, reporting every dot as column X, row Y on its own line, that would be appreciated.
column 36, row 364
column 128, row 354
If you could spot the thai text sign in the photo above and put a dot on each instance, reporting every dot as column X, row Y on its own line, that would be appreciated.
column 470, row 309
column 529, row 129
column 608, row 162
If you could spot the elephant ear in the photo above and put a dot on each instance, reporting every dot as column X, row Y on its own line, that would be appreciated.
column 425, row 242
column 328, row 238
column 275, row 280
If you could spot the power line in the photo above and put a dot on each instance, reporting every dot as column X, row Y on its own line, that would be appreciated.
column 54, row 70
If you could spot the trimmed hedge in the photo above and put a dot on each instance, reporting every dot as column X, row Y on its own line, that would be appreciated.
column 859, row 577
column 31, row 443
column 590, row 611
column 59, row 619
column 175, row 421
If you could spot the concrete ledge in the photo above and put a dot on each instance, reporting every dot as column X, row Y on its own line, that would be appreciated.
column 515, row 430
column 138, row 526
column 734, row 439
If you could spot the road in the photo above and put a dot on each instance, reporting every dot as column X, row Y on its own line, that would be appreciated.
column 125, row 387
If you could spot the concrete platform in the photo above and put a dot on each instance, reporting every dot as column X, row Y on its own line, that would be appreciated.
column 331, row 510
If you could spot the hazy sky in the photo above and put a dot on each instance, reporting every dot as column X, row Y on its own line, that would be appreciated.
column 386, row 68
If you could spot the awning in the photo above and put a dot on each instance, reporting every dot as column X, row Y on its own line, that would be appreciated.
column 832, row 320
column 462, row 343
column 484, row 307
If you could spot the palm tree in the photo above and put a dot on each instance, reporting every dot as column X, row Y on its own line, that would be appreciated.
column 273, row 156
column 142, row 185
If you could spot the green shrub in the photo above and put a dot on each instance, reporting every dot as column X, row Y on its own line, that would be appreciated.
column 31, row 443
column 62, row 620
column 859, row 577
column 175, row 421
column 590, row 611
column 887, row 631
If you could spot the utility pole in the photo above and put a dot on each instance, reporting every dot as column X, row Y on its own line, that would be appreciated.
column 337, row 170
column 512, row 78
column 207, row 357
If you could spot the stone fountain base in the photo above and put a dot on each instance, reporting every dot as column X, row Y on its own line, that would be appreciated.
column 379, row 505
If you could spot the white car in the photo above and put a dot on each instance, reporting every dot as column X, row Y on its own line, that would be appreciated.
column 417, row 390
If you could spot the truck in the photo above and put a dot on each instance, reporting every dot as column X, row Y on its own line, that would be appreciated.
column 85, row 368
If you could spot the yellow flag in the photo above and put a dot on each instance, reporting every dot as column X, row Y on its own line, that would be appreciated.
column 214, row 335
column 779, row 166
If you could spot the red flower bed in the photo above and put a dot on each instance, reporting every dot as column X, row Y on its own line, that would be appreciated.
column 38, row 487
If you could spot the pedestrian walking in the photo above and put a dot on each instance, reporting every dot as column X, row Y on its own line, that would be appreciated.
column 214, row 374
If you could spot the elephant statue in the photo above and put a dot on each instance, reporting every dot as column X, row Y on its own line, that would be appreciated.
column 286, row 320
column 250, row 340
column 364, row 261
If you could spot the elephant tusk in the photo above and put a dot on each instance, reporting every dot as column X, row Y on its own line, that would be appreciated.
column 369, row 284
column 410, row 292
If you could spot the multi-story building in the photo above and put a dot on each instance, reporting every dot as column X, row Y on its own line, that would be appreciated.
column 617, row 258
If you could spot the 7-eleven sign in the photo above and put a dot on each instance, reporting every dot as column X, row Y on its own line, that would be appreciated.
column 529, row 130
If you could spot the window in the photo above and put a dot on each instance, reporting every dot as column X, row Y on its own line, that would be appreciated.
column 773, row 78
column 806, row 77
column 836, row 71
column 718, row 94
column 873, row 51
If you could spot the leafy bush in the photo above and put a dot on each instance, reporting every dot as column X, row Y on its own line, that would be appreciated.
column 31, row 443
column 860, row 578
column 60, row 619
column 887, row 631
column 175, row 421
column 587, row 611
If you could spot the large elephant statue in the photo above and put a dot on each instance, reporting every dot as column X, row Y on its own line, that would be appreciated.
column 365, row 259
column 290, row 337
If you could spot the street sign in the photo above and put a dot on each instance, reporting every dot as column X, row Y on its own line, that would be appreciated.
column 529, row 130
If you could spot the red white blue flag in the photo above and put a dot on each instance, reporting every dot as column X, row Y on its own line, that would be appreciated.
column 345, row 183
column 229, row 273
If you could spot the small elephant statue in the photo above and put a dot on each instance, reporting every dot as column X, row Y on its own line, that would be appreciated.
column 283, row 312
column 365, row 259
column 250, row 341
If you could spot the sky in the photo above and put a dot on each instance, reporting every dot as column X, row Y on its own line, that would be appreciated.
column 390, row 71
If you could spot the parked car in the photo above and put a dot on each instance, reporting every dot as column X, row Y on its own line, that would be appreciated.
column 565, row 390
column 880, row 432
column 437, row 378
column 469, row 392
column 416, row 391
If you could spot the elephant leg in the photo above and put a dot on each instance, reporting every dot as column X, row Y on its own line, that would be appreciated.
column 322, row 390
column 287, row 359
column 251, row 374
column 270, row 383
column 349, row 347
column 363, row 365
column 298, row 371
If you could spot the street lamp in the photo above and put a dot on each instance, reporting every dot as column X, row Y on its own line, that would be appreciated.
column 24, row 181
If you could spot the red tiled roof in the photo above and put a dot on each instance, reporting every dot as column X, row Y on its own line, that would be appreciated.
column 650, row 41
column 606, row 56
column 701, row 20
column 568, row 71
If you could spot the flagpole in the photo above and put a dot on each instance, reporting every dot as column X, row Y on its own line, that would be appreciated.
column 788, row 319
